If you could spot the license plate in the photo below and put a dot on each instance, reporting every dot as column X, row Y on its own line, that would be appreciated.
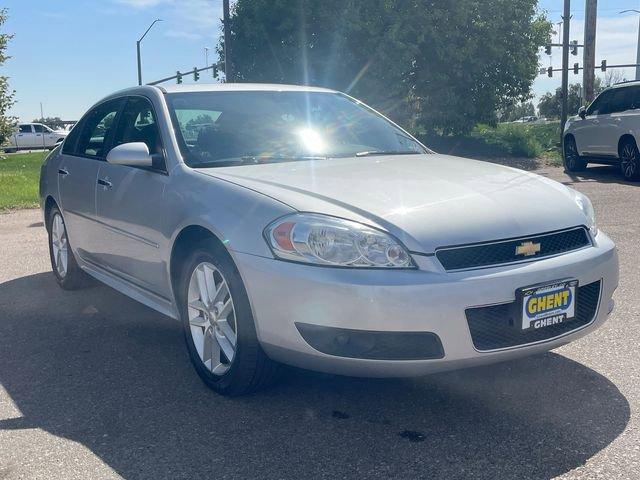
column 546, row 305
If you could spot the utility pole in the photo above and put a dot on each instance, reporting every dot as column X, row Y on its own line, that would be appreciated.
column 638, row 48
column 566, row 17
column 228, row 69
column 589, row 58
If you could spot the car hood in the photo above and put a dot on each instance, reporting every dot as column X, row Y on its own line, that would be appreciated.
column 427, row 201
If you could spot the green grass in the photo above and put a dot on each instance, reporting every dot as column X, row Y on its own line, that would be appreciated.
column 504, row 140
column 19, row 177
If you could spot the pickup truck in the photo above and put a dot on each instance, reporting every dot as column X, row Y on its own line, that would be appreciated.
column 31, row 136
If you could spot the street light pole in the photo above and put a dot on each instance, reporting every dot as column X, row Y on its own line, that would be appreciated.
column 138, row 49
column 638, row 47
column 206, row 56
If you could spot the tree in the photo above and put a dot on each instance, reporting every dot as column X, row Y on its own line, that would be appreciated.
column 53, row 122
column 550, row 104
column 426, row 63
column 7, row 123
column 514, row 112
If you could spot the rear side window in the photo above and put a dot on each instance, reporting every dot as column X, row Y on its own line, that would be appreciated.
column 25, row 129
column 98, row 128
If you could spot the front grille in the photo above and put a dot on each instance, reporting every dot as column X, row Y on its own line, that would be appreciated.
column 498, row 326
column 504, row 251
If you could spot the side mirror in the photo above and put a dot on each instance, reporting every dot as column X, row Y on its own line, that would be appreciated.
column 134, row 154
column 582, row 112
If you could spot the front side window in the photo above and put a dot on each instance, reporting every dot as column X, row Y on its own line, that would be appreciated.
column 600, row 105
column 25, row 129
column 98, row 129
column 138, row 124
column 244, row 127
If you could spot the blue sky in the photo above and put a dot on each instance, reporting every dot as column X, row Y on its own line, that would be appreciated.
column 68, row 54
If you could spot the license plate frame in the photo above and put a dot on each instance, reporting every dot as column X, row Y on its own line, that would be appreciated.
column 530, row 299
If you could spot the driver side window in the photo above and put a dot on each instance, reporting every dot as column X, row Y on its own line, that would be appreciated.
column 600, row 105
column 138, row 124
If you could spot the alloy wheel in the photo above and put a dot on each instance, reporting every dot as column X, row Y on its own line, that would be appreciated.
column 212, row 318
column 570, row 154
column 59, row 245
column 629, row 160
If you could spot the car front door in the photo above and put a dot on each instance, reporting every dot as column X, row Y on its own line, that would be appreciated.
column 588, row 131
column 45, row 137
column 129, row 205
column 82, row 154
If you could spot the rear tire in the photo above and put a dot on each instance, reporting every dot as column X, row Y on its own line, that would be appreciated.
column 65, row 268
column 218, row 323
column 629, row 160
column 573, row 162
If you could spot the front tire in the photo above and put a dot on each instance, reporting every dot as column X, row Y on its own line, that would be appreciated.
column 573, row 162
column 65, row 268
column 218, row 324
column 629, row 160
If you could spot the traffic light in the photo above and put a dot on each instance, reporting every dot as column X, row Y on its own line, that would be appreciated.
column 196, row 74
column 550, row 71
column 574, row 47
column 214, row 71
column 576, row 68
column 178, row 77
column 603, row 66
column 547, row 49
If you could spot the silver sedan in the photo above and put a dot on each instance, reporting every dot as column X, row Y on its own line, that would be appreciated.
column 296, row 225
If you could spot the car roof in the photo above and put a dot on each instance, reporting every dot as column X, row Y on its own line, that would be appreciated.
column 226, row 87
column 628, row 83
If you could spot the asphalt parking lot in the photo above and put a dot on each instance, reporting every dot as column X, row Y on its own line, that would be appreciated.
column 94, row 385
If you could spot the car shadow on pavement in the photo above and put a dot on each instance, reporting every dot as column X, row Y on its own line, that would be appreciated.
column 601, row 174
column 99, row 369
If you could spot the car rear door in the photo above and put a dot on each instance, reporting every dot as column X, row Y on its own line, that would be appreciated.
column 25, row 137
column 613, row 125
column 82, row 154
column 129, row 205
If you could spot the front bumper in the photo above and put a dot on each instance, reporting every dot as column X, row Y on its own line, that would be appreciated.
column 424, row 300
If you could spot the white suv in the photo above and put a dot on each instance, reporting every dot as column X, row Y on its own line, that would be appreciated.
column 31, row 136
column 606, row 132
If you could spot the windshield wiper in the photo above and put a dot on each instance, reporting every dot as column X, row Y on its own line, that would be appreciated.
column 369, row 153
column 255, row 160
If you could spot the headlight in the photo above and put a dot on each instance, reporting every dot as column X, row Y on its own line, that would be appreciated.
column 324, row 240
column 585, row 205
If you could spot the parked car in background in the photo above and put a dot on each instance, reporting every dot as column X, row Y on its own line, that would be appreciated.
column 606, row 132
column 297, row 225
column 32, row 136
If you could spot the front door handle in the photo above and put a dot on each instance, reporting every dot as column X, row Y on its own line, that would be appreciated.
column 106, row 184
column 63, row 171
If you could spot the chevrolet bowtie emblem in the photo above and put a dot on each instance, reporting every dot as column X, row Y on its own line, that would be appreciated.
column 527, row 249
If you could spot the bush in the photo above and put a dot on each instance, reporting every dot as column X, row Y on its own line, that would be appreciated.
column 514, row 139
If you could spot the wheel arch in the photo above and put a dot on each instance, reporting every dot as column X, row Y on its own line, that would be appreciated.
column 49, row 203
column 624, row 138
column 186, row 239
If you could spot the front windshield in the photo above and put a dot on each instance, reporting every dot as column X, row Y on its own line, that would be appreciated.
column 248, row 127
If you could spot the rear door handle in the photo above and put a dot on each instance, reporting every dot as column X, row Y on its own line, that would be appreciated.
column 106, row 184
column 63, row 172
